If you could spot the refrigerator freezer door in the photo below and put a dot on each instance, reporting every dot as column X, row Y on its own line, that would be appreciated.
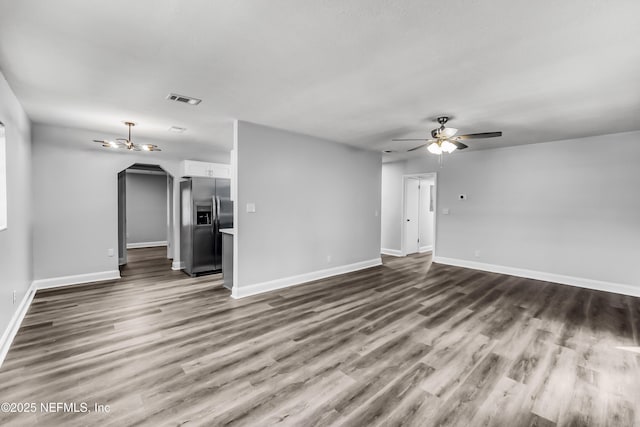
column 203, row 237
column 217, row 237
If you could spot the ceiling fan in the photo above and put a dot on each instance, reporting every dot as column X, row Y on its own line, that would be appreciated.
column 127, row 143
column 445, row 140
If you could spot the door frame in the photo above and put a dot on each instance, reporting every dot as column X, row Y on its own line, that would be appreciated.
column 170, row 221
column 122, row 218
column 434, row 175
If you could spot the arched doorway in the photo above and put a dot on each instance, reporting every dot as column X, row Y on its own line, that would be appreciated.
column 145, row 210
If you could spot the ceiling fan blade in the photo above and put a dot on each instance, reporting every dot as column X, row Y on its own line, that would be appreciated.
column 459, row 145
column 109, row 144
column 421, row 139
column 417, row 148
column 480, row 135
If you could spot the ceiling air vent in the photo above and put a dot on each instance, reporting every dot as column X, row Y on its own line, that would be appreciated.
column 183, row 99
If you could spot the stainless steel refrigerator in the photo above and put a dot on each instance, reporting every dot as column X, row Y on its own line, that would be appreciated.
column 205, row 208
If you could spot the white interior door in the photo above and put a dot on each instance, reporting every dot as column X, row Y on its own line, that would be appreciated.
column 411, row 216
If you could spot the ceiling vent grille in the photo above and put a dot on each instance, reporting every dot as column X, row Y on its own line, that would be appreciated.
column 183, row 99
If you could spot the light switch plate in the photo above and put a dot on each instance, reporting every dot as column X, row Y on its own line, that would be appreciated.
column 251, row 207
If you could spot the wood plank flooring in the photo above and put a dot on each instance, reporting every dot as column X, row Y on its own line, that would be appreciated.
column 406, row 343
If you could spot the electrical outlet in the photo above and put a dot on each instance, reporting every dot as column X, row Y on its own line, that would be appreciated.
column 110, row 252
column 328, row 259
column 14, row 297
column 477, row 253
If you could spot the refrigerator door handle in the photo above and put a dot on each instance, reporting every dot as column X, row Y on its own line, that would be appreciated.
column 217, row 208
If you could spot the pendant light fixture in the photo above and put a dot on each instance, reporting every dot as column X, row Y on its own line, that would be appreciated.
column 127, row 143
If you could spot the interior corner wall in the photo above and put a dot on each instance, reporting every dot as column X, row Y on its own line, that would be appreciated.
column 15, row 240
column 317, row 205
column 146, row 208
column 567, row 208
column 75, row 200
column 391, row 212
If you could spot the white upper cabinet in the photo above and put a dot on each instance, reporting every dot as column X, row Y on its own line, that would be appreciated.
column 192, row 168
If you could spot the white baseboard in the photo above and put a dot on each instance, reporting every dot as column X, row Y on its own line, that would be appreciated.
column 424, row 249
column 392, row 252
column 286, row 282
column 177, row 265
column 56, row 282
column 15, row 322
column 146, row 245
column 617, row 288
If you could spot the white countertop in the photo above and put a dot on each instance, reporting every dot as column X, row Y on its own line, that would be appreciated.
column 231, row 231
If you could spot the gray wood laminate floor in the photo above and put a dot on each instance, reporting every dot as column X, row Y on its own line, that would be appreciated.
column 407, row 343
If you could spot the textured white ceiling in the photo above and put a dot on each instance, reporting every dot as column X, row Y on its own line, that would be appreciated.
column 359, row 72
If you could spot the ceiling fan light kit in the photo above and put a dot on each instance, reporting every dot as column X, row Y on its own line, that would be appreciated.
column 440, row 147
column 127, row 143
column 444, row 139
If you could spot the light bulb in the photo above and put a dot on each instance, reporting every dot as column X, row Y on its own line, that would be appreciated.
column 448, row 147
column 113, row 144
column 434, row 148
column 146, row 148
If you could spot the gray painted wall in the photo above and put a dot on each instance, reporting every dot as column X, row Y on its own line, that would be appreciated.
column 314, row 198
column 146, row 208
column 566, row 207
column 15, row 241
column 75, row 194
